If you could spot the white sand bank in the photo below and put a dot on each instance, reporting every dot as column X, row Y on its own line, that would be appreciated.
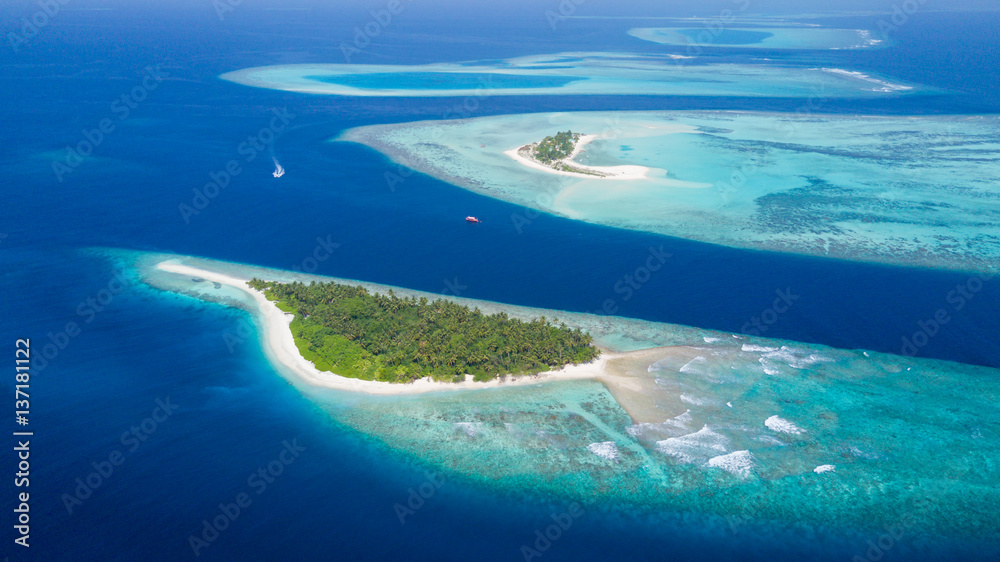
column 280, row 345
column 607, row 172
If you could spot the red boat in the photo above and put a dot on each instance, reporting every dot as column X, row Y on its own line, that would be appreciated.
column 471, row 219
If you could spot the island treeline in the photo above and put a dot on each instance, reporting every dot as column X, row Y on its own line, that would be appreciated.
column 354, row 333
column 556, row 147
column 554, row 151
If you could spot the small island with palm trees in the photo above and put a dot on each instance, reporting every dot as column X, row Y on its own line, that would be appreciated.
column 347, row 330
column 557, row 152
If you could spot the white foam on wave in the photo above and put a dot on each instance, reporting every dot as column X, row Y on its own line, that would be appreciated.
column 771, row 440
column 711, row 340
column 866, row 36
column 691, row 366
column 858, row 452
column 693, row 400
column 769, row 368
column 774, row 423
column 814, row 358
column 738, row 463
column 880, row 85
column 694, row 447
column 784, row 355
column 606, row 450
column 469, row 428
column 792, row 357
column 824, row 468
column 757, row 348
column 682, row 422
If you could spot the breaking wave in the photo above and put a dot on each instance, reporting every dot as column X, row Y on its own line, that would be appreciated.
column 694, row 447
column 774, row 423
column 739, row 463
column 605, row 450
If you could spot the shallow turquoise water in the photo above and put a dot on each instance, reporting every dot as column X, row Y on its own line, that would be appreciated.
column 900, row 190
column 730, row 36
column 758, row 434
column 791, row 36
column 594, row 73
column 897, row 437
column 445, row 80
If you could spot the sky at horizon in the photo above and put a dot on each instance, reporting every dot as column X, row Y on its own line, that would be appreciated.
column 14, row 9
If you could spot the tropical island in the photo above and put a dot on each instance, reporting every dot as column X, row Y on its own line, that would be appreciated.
column 554, row 154
column 383, row 337
column 557, row 152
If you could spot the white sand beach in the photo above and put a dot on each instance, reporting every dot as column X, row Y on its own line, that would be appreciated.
column 608, row 172
column 280, row 345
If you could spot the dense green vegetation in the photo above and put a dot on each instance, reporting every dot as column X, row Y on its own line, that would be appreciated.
column 354, row 333
column 552, row 150
column 555, row 147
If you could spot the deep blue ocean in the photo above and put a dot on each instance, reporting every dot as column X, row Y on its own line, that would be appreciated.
column 335, row 501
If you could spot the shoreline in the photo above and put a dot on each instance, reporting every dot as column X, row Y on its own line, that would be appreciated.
column 280, row 345
column 624, row 172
